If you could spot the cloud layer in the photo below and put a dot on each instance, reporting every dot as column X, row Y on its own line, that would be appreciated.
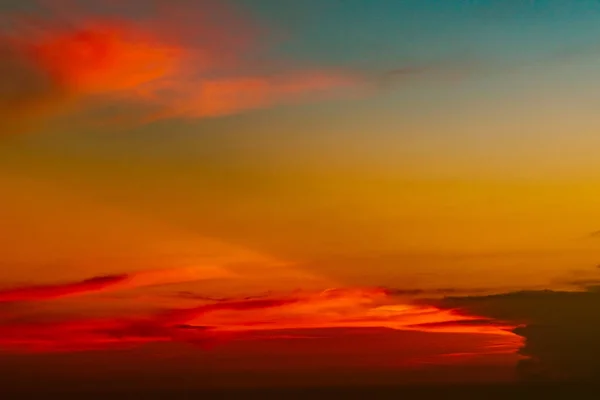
column 210, row 321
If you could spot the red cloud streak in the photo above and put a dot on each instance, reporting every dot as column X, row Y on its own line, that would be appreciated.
column 44, row 292
column 111, row 282
column 341, row 309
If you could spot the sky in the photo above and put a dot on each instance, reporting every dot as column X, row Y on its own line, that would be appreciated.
column 393, row 190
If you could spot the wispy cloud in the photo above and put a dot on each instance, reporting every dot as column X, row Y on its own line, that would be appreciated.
column 112, row 282
column 346, row 308
column 457, row 68
column 437, row 292
column 44, row 292
column 202, row 65
column 180, row 60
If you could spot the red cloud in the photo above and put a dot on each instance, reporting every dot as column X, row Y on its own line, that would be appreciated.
column 340, row 308
column 113, row 282
column 45, row 292
column 102, row 57
column 201, row 66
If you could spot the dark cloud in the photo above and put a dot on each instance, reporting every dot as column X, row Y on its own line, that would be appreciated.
column 561, row 330
column 132, row 280
column 585, row 283
column 437, row 292
column 46, row 292
column 471, row 322
column 180, row 317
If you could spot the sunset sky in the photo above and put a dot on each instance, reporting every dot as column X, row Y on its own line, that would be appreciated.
column 379, row 189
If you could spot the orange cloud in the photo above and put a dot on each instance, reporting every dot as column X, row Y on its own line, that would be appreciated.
column 224, row 96
column 210, row 321
column 342, row 308
column 103, row 57
column 199, row 67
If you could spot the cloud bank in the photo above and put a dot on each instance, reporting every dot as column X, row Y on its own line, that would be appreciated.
column 560, row 330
